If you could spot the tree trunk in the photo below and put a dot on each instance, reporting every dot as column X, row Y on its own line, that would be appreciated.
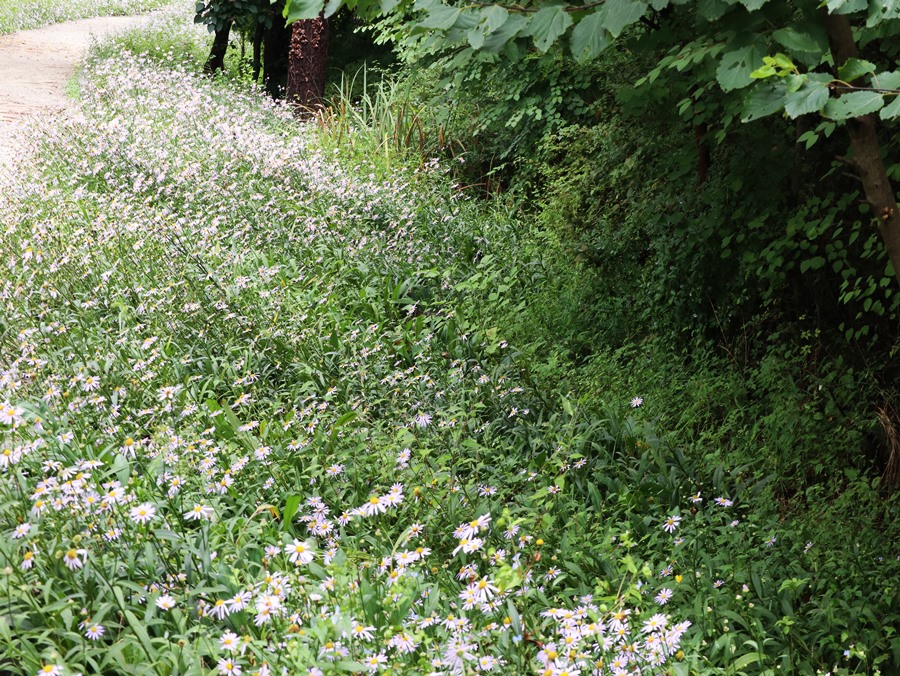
column 704, row 159
column 276, row 44
column 308, row 61
column 257, row 51
column 216, row 59
column 866, row 148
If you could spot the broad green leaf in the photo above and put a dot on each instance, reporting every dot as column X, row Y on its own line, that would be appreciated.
column 589, row 37
column 493, row 17
column 440, row 17
column 753, row 5
column 855, row 68
column 811, row 97
column 475, row 37
column 794, row 82
column 713, row 10
column 765, row 99
column 547, row 25
column 805, row 39
column 737, row 65
column 846, row 6
column 892, row 110
column 882, row 10
column 297, row 10
column 617, row 14
column 766, row 71
column 854, row 104
column 497, row 40
column 887, row 80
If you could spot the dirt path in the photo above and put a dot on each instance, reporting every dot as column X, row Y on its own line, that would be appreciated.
column 35, row 66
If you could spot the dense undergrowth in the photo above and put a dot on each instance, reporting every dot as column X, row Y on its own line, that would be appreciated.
column 284, row 398
column 17, row 15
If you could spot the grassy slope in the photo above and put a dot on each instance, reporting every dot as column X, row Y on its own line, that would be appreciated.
column 239, row 315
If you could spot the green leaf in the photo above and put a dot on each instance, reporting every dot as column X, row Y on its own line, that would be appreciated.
column 764, row 72
column 846, row 6
column 892, row 110
column 297, row 10
column 165, row 534
column 881, row 11
column 812, row 264
column 807, row 39
column 737, row 65
column 513, row 614
column 349, row 416
column 889, row 80
column 440, row 17
column 317, row 570
column 743, row 662
column 291, row 505
column 753, row 5
column 497, row 40
column 350, row 665
column 589, row 37
column 475, row 37
column 713, row 10
column 810, row 98
column 121, row 468
column 547, row 25
column 854, row 104
column 855, row 68
column 765, row 99
column 617, row 14
column 493, row 17
column 141, row 632
column 808, row 139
